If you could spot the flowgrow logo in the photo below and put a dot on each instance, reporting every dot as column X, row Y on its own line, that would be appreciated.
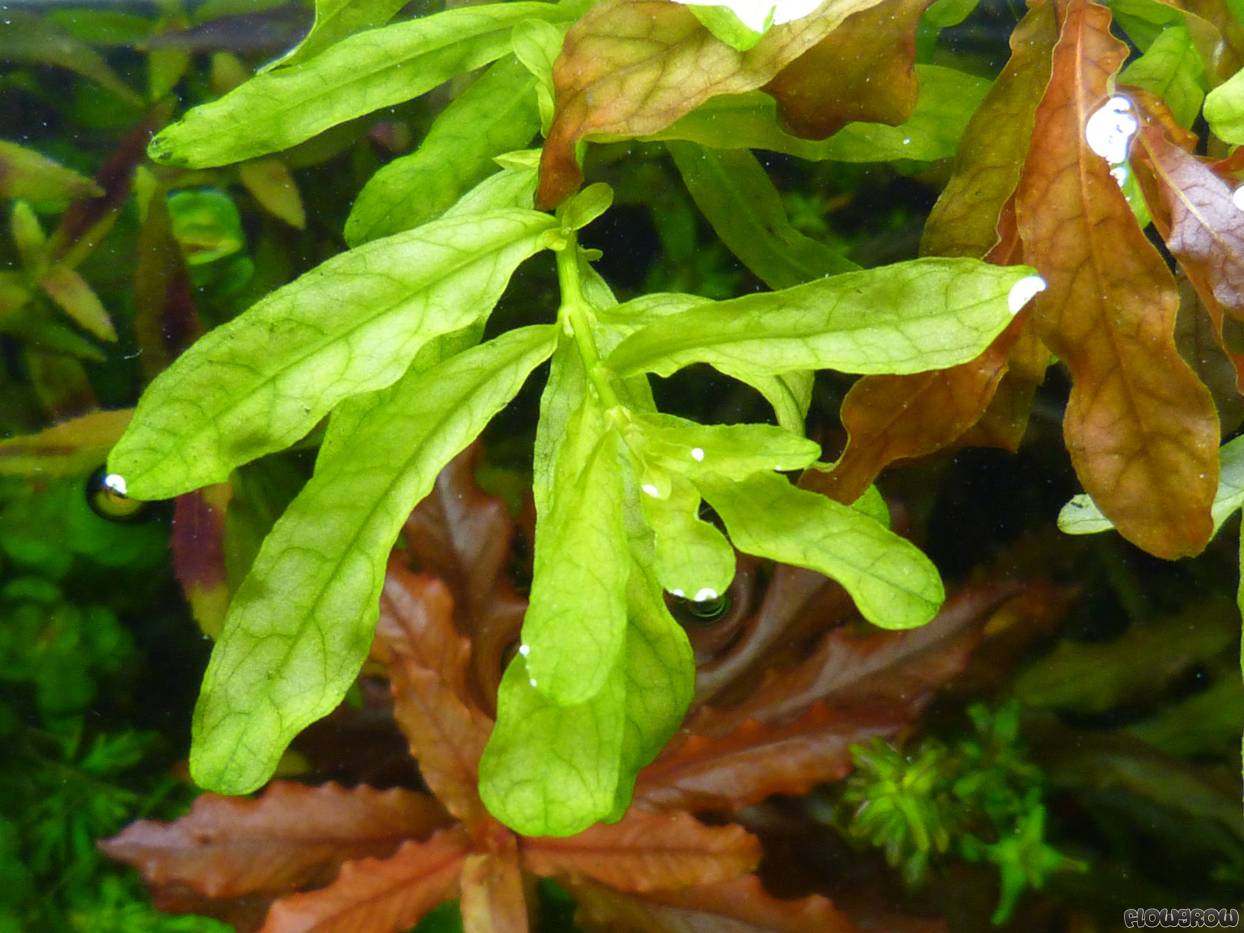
column 1182, row 918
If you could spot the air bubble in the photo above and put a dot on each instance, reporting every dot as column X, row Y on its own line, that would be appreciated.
column 704, row 595
column 1110, row 129
column 524, row 650
column 1237, row 197
column 1023, row 291
column 532, row 681
column 651, row 490
column 106, row 495
column 697, row 454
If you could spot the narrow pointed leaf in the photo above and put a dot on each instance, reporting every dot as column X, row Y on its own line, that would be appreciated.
column 350, row 326
column 291, row 836
column 892, row 583
column 79, row 301
column 576, row 621
column 964, row 221
column 71, row 448
column 906, row 317
column 735, row 195
column 378, row 895
column 863, row 70
column 336, row 20
column 31, row 38
column 366, row 72
column 632, row 67
column 1140, row 427
column 27, row 174
column 496, row 114
column 301, row 622
column 271, row 184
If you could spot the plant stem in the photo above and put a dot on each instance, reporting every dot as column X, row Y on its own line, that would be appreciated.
column 575, row 313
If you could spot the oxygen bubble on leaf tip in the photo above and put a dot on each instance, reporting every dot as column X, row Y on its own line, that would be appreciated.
column 1023, row 292
column 116, row 482
column 704, row 595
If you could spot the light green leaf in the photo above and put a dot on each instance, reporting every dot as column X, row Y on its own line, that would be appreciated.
column 366, row 72
column 537, row 44
column 692, row 558
column 206, row 224
column 735, row 195
column 78, row 300
column 733, row 451
column 28, row 236
column 351, row 325
column 1224, row 110
column 943, row 14
column 902, row 318
column 1172, row 69
column 873, row 504
column 1081, row 516
column 564, row 395
column 727, row 27
column 496, row 114
column 946, row 102
column 586, row 205
column 576, row 620
column 25, row 173
column 550, row 769
column 894, row 585
column 334, row 21
column 301, row 622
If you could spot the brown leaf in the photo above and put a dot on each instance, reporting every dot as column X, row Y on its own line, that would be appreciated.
column 25, row 173
column 428, row 661
column 244, row 914
column 290, row 836
column 466, row 537
column 198, row 545
column 1202, row 226
column 378, row 895
column 863, row 70
column 963, row 222
column 757, row 760
column 632, row 67
column 493, row 900
column 1140, row 427
column 860, row 667
column 1199, row 334
column 738, row 906
column 165, row 318
column 647, row 851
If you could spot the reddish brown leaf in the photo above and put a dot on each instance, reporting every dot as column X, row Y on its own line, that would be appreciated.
column 71, row 448
column 466, row 538
column 1201, row 340
column 863, row 70
column 198, row 545
column 632, row 67
column 738, row 906
column 1140, row 427
column 244, row 914
column 165, row 318
column 378, row 895
column 291, row 836
column 757, row 760
column 428, row 661
column 1200, row 222
column 647, row 851
column 860, row 667
column 493, row 900
column 963, row 222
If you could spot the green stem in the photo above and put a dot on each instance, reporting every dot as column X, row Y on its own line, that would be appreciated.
column 575, row 313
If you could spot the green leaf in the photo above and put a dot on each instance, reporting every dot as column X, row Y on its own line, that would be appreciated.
column 351, row 325
column 732, row 451
column 206, row 224
column 301, row 623
column 576, row 620
column 79, row 301
column 873, row 504
column 510, row 187
column 1081, row 516
column 585, row 206
column 903, row 318
column 496, row 114
column 734, row 193
column 27, row 37
column 1172, row 69
column 727, row 27
column 358, row 75
column 25, row 173
column 335, row 20
column 537, row 45
column 692, row 558
column 943, row 14
column 894, row 585
column 946, row 102
column 1224, row 110
column 551, row 769
column 28, row 236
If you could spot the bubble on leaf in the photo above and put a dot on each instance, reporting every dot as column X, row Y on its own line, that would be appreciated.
column 1237, row 197
column 532, row 681
column 652, row 490
column 1110, row 129
column 704, row 595
column 106, row 495
column 697, row 454
column 524, row 650
column 1023, row 291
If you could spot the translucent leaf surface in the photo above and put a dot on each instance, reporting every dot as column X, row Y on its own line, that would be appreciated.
column 351, row 325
